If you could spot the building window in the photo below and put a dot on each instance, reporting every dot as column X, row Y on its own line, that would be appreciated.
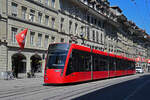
column 101, row 38
column 46, row 20
column 32, row 34
column 76, row 25
column 53, row 39
column 14, row 10
column 93, row 5
column 81, row 34
column 40, row 1
column 88, row 18
column 61, row 24
column 99, row 24
column 39, row 42
column 62, row 40
column 97, row 37
column 32, row 15
column 88, row 33
column 93, row 35
column 53, row 3
column 47, row 2
column 70, row 41
column 95, row 21
column 92, row 20
column 53, row 22
column 103, row 25
column 70, row 24
column 40, row 17
column 13, row 36
column 24, row 12
column 46, row 41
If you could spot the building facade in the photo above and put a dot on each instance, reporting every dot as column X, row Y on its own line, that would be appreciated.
column 92, row 23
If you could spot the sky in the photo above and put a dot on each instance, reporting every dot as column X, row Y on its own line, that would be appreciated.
column 136, row 10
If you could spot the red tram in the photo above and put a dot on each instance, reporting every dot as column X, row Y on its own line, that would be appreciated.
column 69, row 63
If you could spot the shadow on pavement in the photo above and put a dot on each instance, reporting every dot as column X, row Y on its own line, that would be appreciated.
column 121, row 91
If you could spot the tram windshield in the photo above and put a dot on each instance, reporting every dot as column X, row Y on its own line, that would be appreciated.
column 56, row 57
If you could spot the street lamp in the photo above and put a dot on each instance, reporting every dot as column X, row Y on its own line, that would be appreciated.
column 82, row 37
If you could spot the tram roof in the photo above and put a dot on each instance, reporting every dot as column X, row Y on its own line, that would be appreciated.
column 83, row 48
column 100, row 52
column 112, row 55
column 79, row 47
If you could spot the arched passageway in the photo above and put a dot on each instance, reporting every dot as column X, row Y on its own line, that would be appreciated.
column 36, row 63
column 18, row 64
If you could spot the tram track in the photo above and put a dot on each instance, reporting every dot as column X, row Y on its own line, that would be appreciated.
column 81, row 91
column 24, row 91
column 75, row 92
column 15, row 90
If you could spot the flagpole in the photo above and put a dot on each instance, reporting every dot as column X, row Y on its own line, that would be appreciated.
column 20, row 37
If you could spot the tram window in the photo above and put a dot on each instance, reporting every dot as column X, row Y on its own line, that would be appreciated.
column 133, row 65
column 111, row 64
column 96, row 66
column 123, row 65
column 129, row 65
column 118, row 66
column 87, row 62
column 70, row 68
column 79, row 61
column 75, row 61
column 83, row 61
column 102, row 63
column 56, row 60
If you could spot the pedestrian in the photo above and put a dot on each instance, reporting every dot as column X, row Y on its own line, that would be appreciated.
column 11, row 75
column 15, row 72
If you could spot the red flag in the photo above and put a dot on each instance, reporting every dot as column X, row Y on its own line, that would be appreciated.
column 20, row 37
column 148, row 61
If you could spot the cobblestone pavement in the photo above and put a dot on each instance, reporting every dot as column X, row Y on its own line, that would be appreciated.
column 21, row 82
column 33, row 89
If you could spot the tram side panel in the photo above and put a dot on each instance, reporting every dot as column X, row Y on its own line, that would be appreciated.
column 78, row 68
column 112, row 67
column 100, row 66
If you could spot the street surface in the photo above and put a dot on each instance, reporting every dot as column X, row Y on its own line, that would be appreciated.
column 133, row 87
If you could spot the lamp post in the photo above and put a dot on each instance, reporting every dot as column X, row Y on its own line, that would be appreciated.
column 91, row 64
column 82, row 37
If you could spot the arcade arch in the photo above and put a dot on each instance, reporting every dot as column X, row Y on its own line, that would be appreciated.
column 18, row 63
column 36, row 63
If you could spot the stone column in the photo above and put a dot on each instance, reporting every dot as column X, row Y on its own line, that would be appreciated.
column 3, row 57
column 9, row 61
column 43, row 66
column 28, row 66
